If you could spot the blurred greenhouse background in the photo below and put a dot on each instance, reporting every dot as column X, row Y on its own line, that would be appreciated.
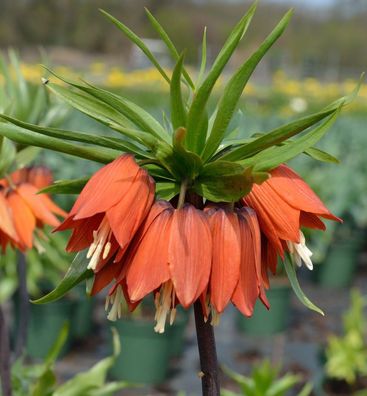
column 319, row 59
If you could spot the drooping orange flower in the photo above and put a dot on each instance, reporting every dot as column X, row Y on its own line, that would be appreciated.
column 24, row 209
column 236, row 266
column 285, row 203
column 217, row 255
column 109, row 211
column 171, row 256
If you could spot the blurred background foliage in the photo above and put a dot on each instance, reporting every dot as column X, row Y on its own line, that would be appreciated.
column 332, row 50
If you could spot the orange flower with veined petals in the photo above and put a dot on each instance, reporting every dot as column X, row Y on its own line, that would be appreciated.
column 109, row 210
column 236, row 267
column 26, row 209
column 285, row 203
column 171, row 256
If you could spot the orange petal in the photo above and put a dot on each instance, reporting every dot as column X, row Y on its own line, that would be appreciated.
column 104, row 277
column 157, row 208
column 82, row 235
column 226, row 257
column 297, row 193
column 189, row 253
column 51, row 206
column 128, row 214
column 24, row 220
column 311, row 220
column 148, row 268
column 277, row 219
column 29, row 194
column 106, row 187
column 247, row 290
column 6, row 223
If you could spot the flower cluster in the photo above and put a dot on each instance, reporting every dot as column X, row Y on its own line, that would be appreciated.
column 216, row 253
column 22, row 211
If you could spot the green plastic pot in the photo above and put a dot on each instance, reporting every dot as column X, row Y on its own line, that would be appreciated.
column 264, row 322
column 177, row 332
column 144, row 356
column 81, row 324
column 45, row 324
column 340, row 265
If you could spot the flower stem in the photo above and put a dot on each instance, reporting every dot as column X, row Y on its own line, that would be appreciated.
column 23, row 306
column 5, row 375
column 181, row 198
column 208, row 354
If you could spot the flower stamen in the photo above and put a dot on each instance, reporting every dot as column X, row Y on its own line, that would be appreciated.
column 117, row 300
column 101, row 245
column 300, row 252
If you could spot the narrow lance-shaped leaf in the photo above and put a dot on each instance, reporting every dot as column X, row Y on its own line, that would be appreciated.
column 321, row 155
column 76, row 273
column 235, row 87
column 285, row 132
column 178, row 112
column 92, row 107
column 203, row 59
column 65, row 186
column 22, row 136
column 196, row 136
column 136, row 40
column 292, row 276
column 274, row 156
column 134, row 113
column 79, row 137
column 171, row 47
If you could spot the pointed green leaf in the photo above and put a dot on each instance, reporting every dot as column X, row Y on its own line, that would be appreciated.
column 171, row 47
column 86, row 104
column 274, row 156
column 134, row 113
column 137, row 41
column 235, row 87
column 65, row 186
column 292, row 276
column 285, row 132
column 178, row 112
column 82, row 137
column 77, row 273
column 321, row 155
column 203, row 59
column 196, row 136
column 22, row 136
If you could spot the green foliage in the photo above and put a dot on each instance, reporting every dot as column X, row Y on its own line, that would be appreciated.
column 195, row 145
column 44, row 267
column 346, row 356
column 265, row 380
column 40, row 379
column 22, row 101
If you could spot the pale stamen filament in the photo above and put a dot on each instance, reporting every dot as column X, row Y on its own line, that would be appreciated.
column 101, row 245
column 300, row 252
column 163, row 303
column 117, row 301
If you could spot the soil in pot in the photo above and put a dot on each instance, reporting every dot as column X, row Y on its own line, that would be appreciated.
column 334, row 387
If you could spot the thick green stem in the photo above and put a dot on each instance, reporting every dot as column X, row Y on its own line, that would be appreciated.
column 182, row 196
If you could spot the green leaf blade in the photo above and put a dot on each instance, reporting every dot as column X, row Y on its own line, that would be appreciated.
column 77, row 273
column 196, row 136
column 178, row 112
column 235, row 87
